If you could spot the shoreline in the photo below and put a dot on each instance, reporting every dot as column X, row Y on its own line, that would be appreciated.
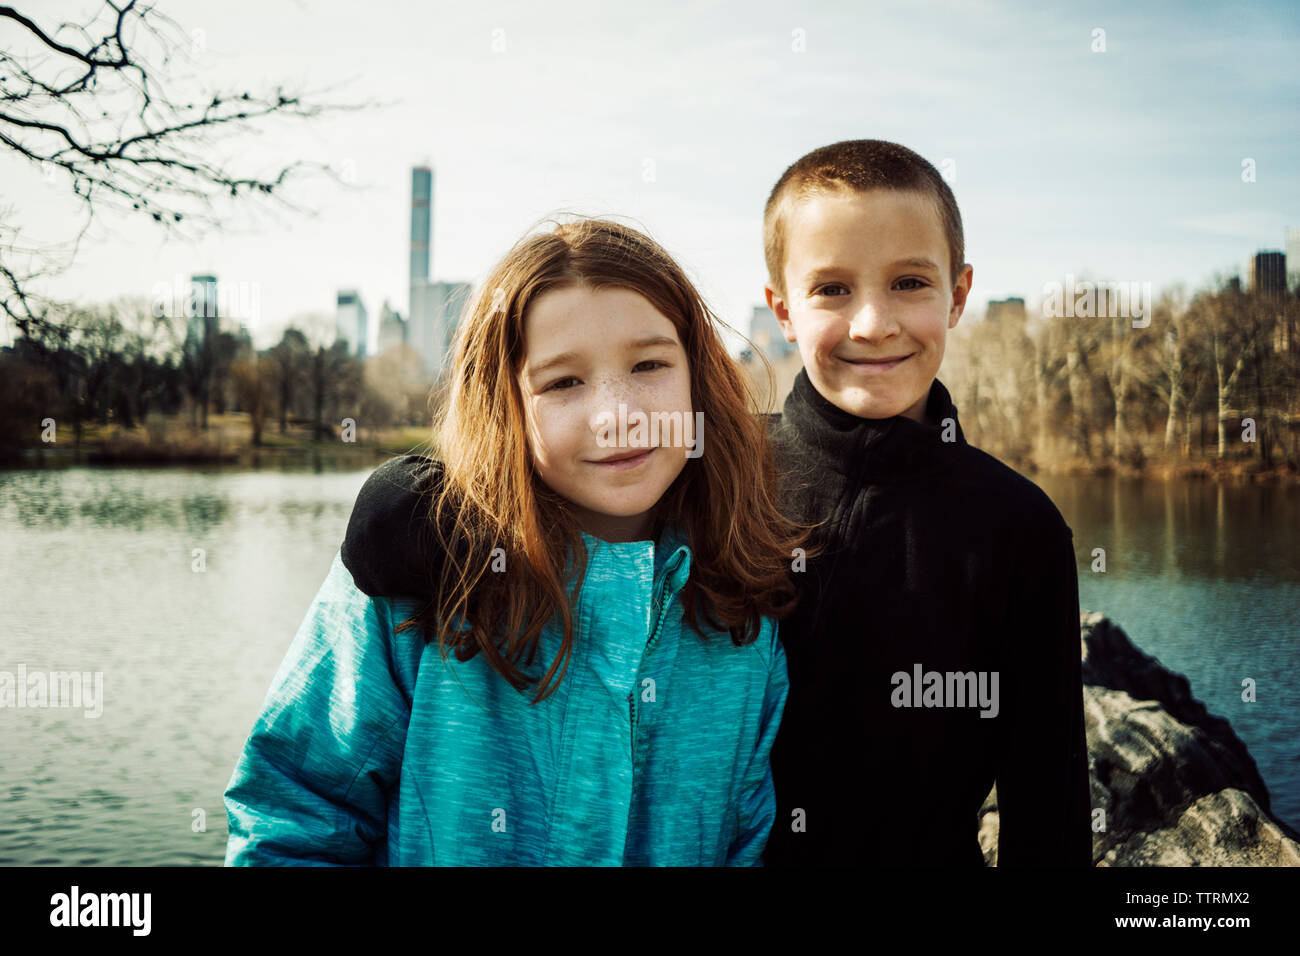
column 1225, row 471
column 95, row 456
column 228, row 441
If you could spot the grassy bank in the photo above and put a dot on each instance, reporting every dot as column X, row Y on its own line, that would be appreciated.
column 227, row 440
column 1247, row 470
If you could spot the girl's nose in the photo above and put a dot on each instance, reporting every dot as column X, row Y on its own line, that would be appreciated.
column 615, row 405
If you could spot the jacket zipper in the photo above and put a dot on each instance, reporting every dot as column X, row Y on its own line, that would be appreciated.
column 654, row 636
column 631, row 698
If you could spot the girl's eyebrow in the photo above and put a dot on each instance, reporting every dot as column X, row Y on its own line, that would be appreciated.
column 563, row 357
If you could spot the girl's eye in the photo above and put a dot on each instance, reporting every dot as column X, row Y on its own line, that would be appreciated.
column 559, row 383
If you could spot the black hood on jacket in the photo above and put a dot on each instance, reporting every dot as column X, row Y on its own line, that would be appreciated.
column 389, row 541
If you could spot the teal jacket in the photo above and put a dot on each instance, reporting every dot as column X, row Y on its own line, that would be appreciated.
column 371, row 750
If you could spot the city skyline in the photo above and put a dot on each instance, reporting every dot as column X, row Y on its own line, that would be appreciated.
column 1125, row 164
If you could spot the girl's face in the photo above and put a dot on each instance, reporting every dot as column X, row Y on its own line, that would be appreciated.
column 586, row 354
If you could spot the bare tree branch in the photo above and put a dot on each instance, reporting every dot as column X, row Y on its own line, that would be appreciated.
column 86, row 102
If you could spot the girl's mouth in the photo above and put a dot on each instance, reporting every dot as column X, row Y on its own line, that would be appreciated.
column 624, row 462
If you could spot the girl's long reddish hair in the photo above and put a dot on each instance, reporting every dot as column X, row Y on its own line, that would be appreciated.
column 491, row 497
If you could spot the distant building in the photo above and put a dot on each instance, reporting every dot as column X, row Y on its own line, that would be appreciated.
column 1012, row 310
column 392, row 328
column 436, row 309
column 1267, row 275
column 1293, row 258
column 765, row 332
column 202, row 314
column 352, row 322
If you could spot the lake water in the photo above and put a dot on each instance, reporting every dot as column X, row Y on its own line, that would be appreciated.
column 1206, row 578
column 97, row 574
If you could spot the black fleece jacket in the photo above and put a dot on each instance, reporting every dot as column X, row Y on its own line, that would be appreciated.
column 936, row 556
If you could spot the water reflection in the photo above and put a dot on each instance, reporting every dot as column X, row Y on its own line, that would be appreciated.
column 1205, row 577
column 1194, row 530
column 98, row 575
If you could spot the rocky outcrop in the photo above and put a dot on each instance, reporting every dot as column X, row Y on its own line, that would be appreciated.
column 1177, row 787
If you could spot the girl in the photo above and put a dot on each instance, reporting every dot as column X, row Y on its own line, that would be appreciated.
column 604, row 537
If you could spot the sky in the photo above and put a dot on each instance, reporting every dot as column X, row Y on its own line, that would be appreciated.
column 679, row 117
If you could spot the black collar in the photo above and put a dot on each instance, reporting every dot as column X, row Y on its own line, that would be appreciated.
column 823, row 435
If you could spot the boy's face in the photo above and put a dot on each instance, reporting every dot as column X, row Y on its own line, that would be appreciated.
column 586, row 353
column 868, row 299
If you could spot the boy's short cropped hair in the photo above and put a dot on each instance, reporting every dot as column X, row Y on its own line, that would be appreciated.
column 858, row 165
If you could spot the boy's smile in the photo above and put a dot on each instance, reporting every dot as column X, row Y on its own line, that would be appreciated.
column 869, row 300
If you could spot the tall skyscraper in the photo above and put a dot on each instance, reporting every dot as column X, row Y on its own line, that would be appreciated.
column 435, row 307
column 421, row 224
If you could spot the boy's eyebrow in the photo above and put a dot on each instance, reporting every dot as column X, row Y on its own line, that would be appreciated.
column 913, row 262
column 916, row 262
column 563, row 357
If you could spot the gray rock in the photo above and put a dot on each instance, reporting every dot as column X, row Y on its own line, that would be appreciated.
column 1176, row 785
column 1111, row 660
column 1227, row 828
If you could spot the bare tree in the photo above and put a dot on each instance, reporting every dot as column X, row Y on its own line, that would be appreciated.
column 1230, row 348
column 1163, row 365
column 255, row 388
column 289, row 361
column 144, row 344
column 88, row 103
column 1262, row 318
column 332, row 376
column 1080, row 345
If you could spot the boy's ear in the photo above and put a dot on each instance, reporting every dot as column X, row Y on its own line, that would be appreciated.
column 778, row 307
column 960, row 292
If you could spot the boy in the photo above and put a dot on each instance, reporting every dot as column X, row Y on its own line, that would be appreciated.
column 936, row 647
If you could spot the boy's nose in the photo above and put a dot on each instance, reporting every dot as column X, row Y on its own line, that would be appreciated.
column 872, row 321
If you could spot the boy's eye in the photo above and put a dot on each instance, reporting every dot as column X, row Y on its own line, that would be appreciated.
column 920, row 283
column 571, row 378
